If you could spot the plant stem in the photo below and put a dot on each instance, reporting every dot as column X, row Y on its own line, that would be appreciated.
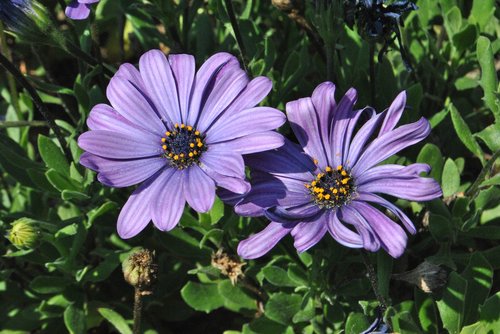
column 237, row 34
column 19, row 124
column 372, row 73
column 38, row 103
column 77, row 52
column 137, row 310
column 472, row 191
column 10, row 79
column 373, row 281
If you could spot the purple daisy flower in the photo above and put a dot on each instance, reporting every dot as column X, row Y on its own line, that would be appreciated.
column 79, row 9
column 181, row 132
column 334, row 184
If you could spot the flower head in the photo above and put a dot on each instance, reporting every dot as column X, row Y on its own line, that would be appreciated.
column 79, row 9
column 27, row 19
column 332, row 180
column 25, row 233
column 182, row 133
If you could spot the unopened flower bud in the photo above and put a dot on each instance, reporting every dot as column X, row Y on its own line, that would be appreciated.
column 25, row 233
column 427, row 276
column 139, row 269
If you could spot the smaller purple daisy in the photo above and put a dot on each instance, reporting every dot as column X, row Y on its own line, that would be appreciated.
column 330, row 182
column 180, row 132
column 79, row 9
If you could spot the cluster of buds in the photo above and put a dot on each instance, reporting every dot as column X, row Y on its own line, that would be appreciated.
column 228, row 265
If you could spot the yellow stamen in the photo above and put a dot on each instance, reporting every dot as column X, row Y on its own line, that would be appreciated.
column 191, row 154
column 339, row 167
column 168, row 133
column 163, row 140
column 343, row 173
column 191, row 145
column 200, row 144
column 327, row 196
column 176, row 157
column 315, row 161
column 328, row 169
column 189, row 128
column 164, row 147
column 197, row 132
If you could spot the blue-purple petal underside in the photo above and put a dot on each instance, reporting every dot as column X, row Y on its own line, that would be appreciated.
column 168, row 199
column 115, row 145
column 184, row 69
column 323, row 99
column 361, row 138
column 352, row 217
column 199, row 189
column 160, row 85
column 253, row 143
column 261, row 196
column 122, row 173
column 384, row 171
column 77, row 11
column 391, row 143
column 306, row 212
column 261, row 243
column 308, row 234
column 351, row 126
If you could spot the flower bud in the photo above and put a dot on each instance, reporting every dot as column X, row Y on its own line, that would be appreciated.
column 139, row 269
column 427, row 276
column 25, row 233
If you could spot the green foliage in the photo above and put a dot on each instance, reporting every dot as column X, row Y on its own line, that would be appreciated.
column 70, row 280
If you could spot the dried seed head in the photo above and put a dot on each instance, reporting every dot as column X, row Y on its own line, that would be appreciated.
column 229, row 265
column 426, row 276
column 139, row 269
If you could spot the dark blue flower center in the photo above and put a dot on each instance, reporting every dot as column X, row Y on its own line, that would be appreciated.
column 183, row 146
column 332, row 188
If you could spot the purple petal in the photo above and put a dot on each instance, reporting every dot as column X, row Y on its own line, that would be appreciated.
column 361, row 138
column 77, row 11
column 132, row 104
column 223, row 162
column 168, row 200
column 411, row 188
column 116, row 145
column 184, row 68
column 392, row 237
column 136, row 213
column 261, row 196
column 254, row 120
column 305, row 124
column 203, row 80
column 88, row 1
column 199, row 189
column 308, row 234
column 122, row 173
column 233, row 184
column 256, row 142
column 261, row 243
column 228, row 83
column 408, row 224
column 352, row 217
column 103, row 117
column 288, row 161
column 339, row 126
column 307, row 212
column 130, row 73
column 323, row 99
column 385, row 171
column 160, row 85
column 391, row 143
column 394, row 113
column 341, row 233
column 353, row 122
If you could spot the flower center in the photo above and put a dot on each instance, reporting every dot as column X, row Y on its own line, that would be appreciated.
column 183, row 146
column 332, row 188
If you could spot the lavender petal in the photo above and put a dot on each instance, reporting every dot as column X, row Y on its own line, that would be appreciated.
column 261, row 243
column 199, row 189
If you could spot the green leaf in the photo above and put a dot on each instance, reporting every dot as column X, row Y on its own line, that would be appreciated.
column 277, row 276
column 297, row 274
column 465, row 38
column 453, row 21
column 67, row 231
column 235, row 297
column 404, row 323
column 96, row 213
column 356, row 323
column 482, row 11
column 450, row 181
column 464, row 133
column 490, row 136
column 489, row 316
column 452, row 304
column 49, row 284
column 430, row 154
column 115, row 319
column 217, row 211
column 68, row 195
column 306, row 313
column 427, row 312
column 437, row 118
column 74, row 319
column 202, row 297
column 52, row 155
column 489, row 80
column 281, row 307
column 61, row 182
column 479, row 276
column 493, row 181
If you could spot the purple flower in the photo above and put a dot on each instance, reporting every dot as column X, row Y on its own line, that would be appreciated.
column 333, row 186
column 182, row 133
column 79, row 9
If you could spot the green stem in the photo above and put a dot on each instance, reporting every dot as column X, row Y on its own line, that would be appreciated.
column 77, row 52
column 237, row 33
column 10, row 79
column 486, row 169
column 373, row 281
column 38, row 103
column 137, row 310
column 19, row 124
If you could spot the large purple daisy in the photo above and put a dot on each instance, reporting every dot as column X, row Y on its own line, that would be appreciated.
column 79, row 9
column 181, row 132
column 333, row 186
